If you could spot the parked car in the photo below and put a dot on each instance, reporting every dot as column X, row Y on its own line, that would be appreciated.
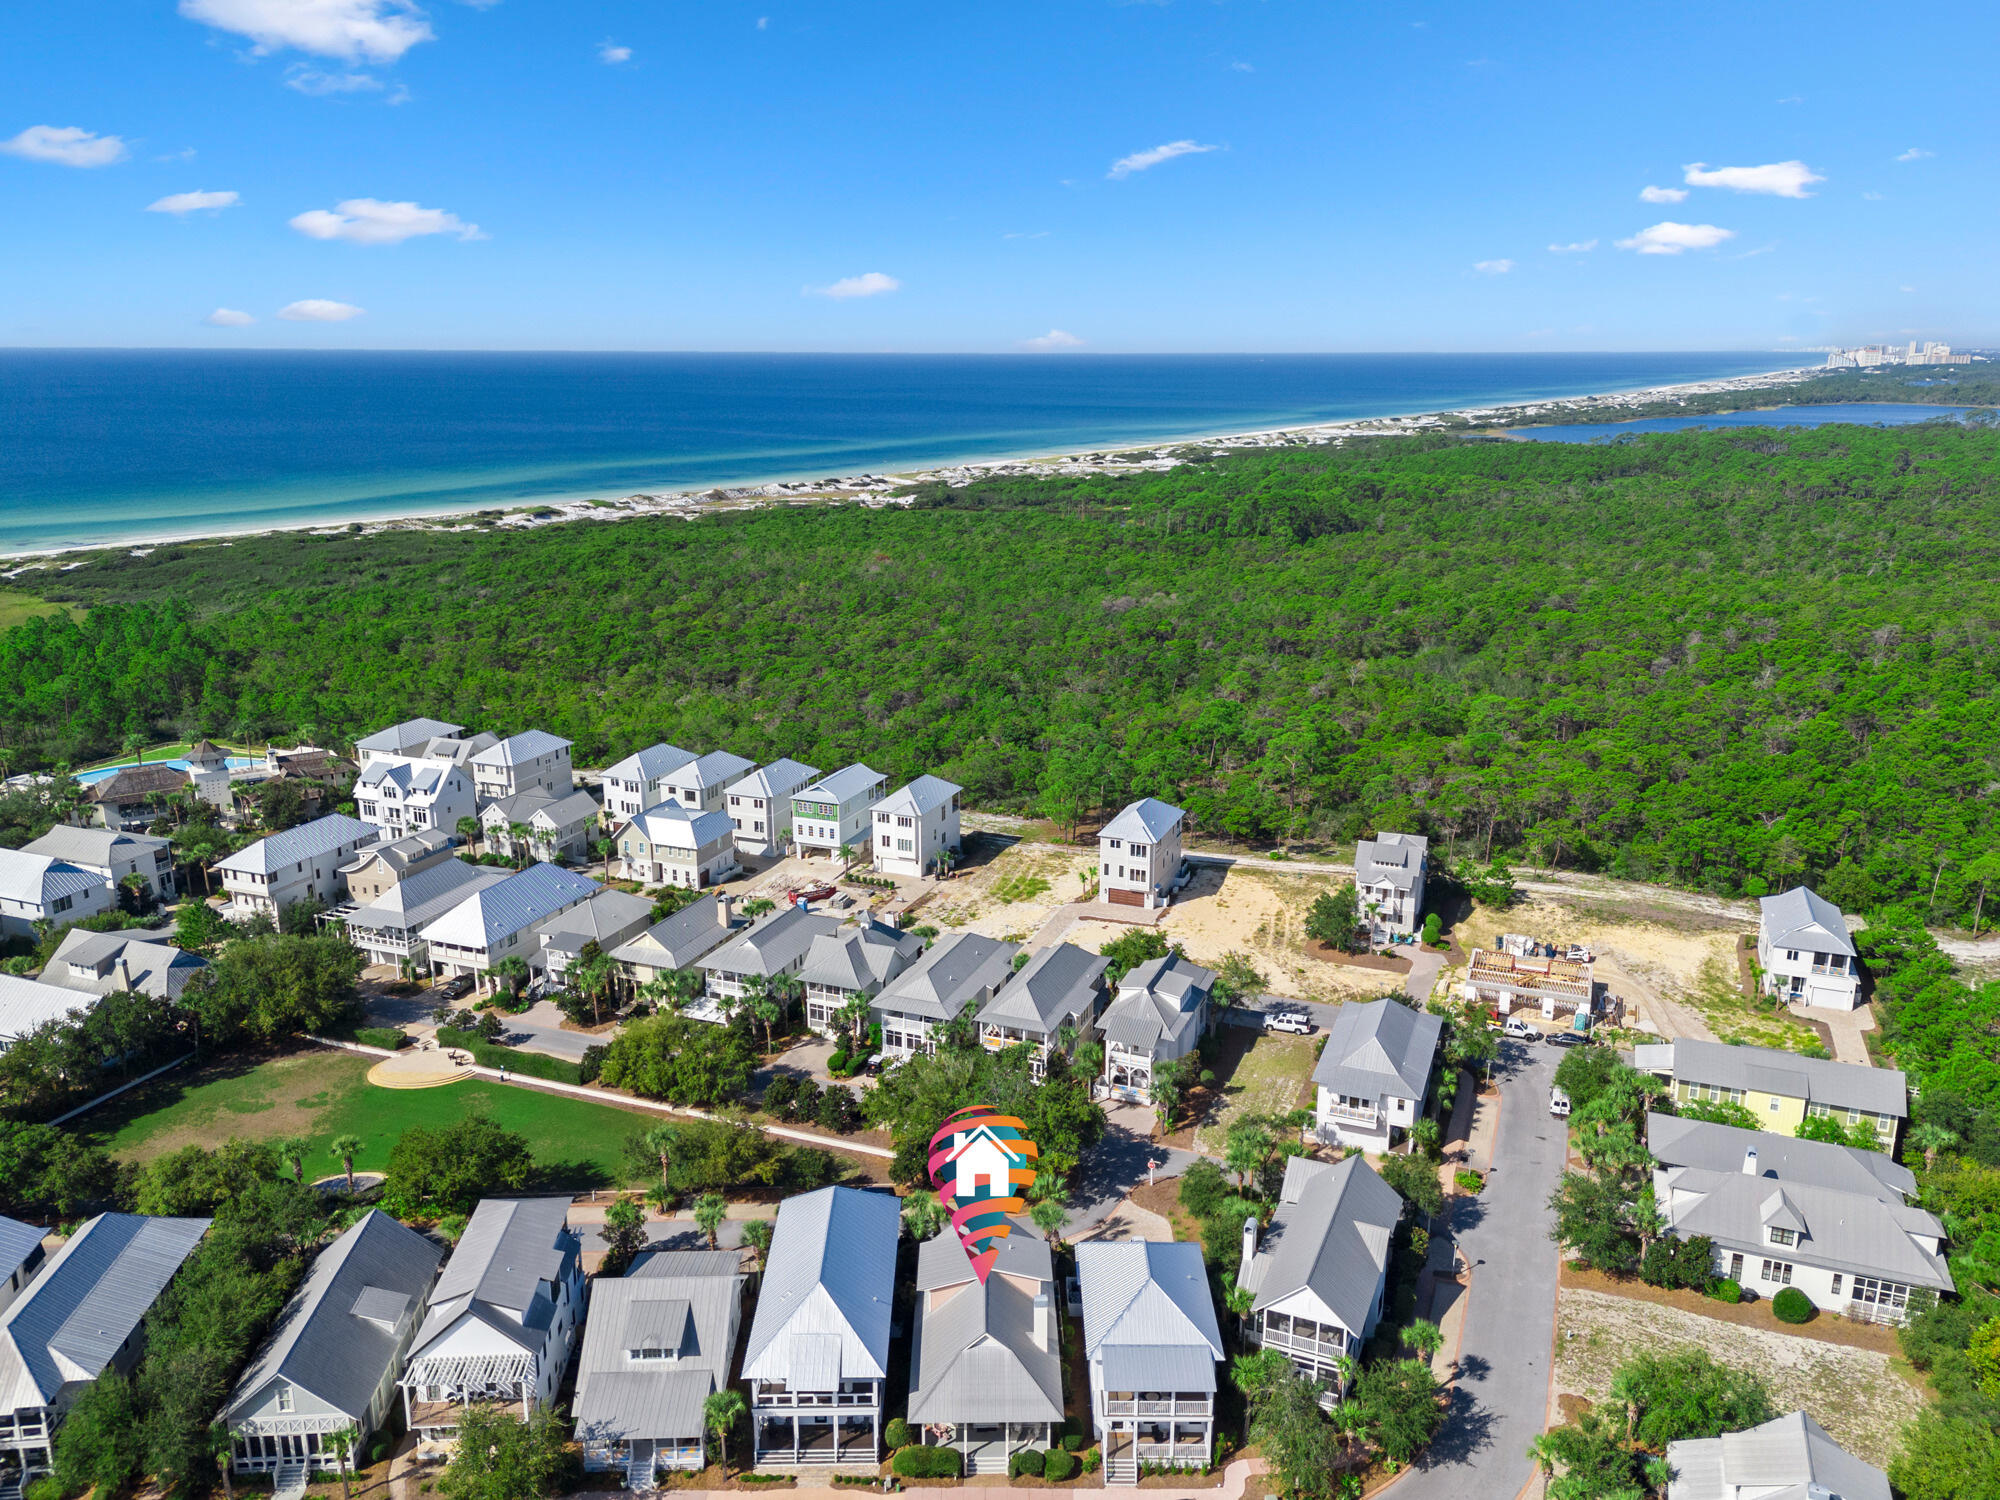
column 1516, row 1027
column 1289, row 1021
column 874, row 1064
column 453, row 989
column 1558, row 1102
column 1567, row 1039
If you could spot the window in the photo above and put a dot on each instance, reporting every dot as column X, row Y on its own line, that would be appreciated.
column 1776, row 1272
column 906, row 822
column 1137, row 850
column 64, row 903
column 1783, row 1236
column 1836, row 1283
column 885, row 841
column 1792, row 954
column 1736, row 1268
column 1774, row 1104
column 1884, row 1294
column 284, row 1398
column 882, row 818
column 1107, row 869
column 1117, row 843
column 902, row 845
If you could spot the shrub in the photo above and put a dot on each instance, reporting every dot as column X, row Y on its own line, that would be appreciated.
column 387, row 1037
column 1793, row 1306
column 1072, row 1441
column 920, row 1461
column 805, row 1102
column 897, row 1434
column 1687, row 1264
column 1092, row 1457
column 837, row 1064
column 44, row 1488
column 1027, row 1461
column 837, row 1110
column 1726, row 1290
column 1203, row 1188
column 527, row 1064
column 380, row 1449
column 1468, row 1180
column 592, row 1064
column 779, row 1094
column 1059, row 1466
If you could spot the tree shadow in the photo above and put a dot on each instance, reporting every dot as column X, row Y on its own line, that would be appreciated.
column 1467, row 1429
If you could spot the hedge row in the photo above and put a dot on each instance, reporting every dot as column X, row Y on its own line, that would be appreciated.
column 925, row 1462
column 528, row 1064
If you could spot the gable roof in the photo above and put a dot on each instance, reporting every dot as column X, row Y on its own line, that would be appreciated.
column 511, row 1250
column 777, row 942
column 1329, row 1235
column 400, row 854
column 511, row 905
column 686, row 1307
column 133, row 783
column 38, row 880
column 1857, row 1233
column 649, row 764
column 330, row 1338
column 1676, row 1142
column 1151, row 1294
column 829, row 1282
column 1396, row 859
column 1060, row 983
column 717, row 768
column 1800, row 918
column 517, row 748
column 1378, row 1049
column 860, row 957
column 680, row 939
column 419, row 778
column 86, row 1302
column 925, row 794
column 427, row 895
column 18, row 1241
column 153, row 966
column 308, row 841
column 608, row 914
column 1146, row 821
column 976, row 1358
column 1160, row 998
column 843, row 785
column 1788, row 1458
column 398, row 738
column 779, row 779
column 1767, row 1070
column 91, row 846
column 942, row 1259
column 681, row 827
column 955, row 971
column 28, row 1003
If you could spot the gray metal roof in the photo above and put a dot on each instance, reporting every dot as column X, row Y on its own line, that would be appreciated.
column 960, row 968
column 1788, row 1458
column 689, row 1309
column 779, row 779
column 1158, row 1367
column 1379, row 1049
column 828, row 1288
column 925, row 794
column 38, row 880
column 1329, row 1235
column 330, row 1338
column 1160, row 998
column 1856, row 1233
column 1057, row 986
column 862, row 957
column 1802, row 919
column 307, row 842
column 401, row 853
column 681, row 827
column 407, row 776
column 539, row 805
column 776, row 943
column 517, row 748
column 86, row 1302
column 976, row 1358
column 512, row 1251
column 121, row 960
column 717, row 768
column 397, row 737
column 28, row 1003
column 1150, row 1294
column 18, row 1242
column 685, row 1263
column 677, row 941
column 1395, row 859
column 427, row 895
column 843, row 785
column 942, row 1260
column 1817, row 1080
column 1146, row 821
column 1675, row 1142
column 91, row 846
column 513, row 905
column 649, row 764
column 605, row 918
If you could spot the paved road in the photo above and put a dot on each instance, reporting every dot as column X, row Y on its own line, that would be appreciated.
column 1501, row 1399
column 1115, row 1166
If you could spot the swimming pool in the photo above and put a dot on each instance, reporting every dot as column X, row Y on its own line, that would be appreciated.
column 91, row 778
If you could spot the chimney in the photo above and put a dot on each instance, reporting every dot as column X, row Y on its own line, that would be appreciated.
column 124, row 974
column 1750, row 1162
column 1042, row 1320
column 1249, row 1238
column 725, row 907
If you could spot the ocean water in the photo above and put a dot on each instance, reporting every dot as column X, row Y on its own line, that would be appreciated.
column 109, row 446
column 1866, row 413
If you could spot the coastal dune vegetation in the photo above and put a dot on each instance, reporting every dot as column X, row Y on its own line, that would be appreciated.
column 1730, row 660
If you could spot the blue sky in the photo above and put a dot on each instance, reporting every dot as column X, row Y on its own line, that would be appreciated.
column 1266, row 175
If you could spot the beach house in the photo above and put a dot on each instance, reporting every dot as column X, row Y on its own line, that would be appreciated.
column 1787, row 1458
column 959, row 970
column 1805, row 952
column 853, row 960
column 21, row 1255
column 558, row 827
column 407, row 740
column 702, row 784
column 1139, row 853
column 276, row 872
column 130, row 798
column 1374, row 1074
column 1780, row 1089
column 534, row 759
column 1389, row 872
column 1151, row 1342
column 760, row 805
column 378, row 868
column 101, row 963
column 608, row 919
column 677, row 941
column 639, row 780
column 675, row 844
column 114, row 855
column 497, row 922
column 776, row 945
column 916, row 826
column 832, row 814
column 1157, row 1016
column 389, row 929
column 411, row 796
column 38, row 888
column 1057, row 993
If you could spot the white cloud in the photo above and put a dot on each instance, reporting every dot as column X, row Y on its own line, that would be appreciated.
column 1651, row 194
column 1022, row 234
column 66, row 146
column 763, row 23
column 1793, row 99
column 1669, row 238
column 1055, row 338
column 868, row 284
column 1493, row 267
column 612, row 55
column 1907, row 289
column 1574, row 247
column 187, row 203
column 375, row 30
column 308, row 80
column 229, row 317
column 318, row 310
column 1139, row 161
column 1915, row 153
column 1781, row 179
column 1872, row 197
column 369, row 221
column 1243, row 67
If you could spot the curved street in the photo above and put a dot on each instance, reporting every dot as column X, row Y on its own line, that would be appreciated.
column 1500, row 1401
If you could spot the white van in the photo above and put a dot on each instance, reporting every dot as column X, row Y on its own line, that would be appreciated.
column 1558, row 1103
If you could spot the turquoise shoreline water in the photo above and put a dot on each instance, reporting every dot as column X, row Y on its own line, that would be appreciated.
column 100, row 447
column 1866, row 413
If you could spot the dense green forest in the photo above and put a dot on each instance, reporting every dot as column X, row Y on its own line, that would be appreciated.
column 1711, row 658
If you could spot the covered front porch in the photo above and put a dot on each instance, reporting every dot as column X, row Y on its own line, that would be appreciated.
column 988, row 1446
column 789, row 1438
column 438, row 1392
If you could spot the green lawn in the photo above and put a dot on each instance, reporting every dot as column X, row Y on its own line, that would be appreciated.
column 169, row 750
column 16, row 606
column 321, row 1094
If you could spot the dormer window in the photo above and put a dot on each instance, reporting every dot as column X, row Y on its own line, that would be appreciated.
column 1783, row 1236
column 651, row 1351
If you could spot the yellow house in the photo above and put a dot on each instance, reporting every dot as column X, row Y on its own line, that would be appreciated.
column 1780, row 1089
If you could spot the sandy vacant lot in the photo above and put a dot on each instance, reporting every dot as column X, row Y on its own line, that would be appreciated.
column 1261, row 1073
column 1852, row 1393
column 1262, row 913
column 1013, row 894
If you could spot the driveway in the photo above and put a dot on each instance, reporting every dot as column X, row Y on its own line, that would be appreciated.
column 1501, row 1400
column 1116, row 1165
column 541, row 1023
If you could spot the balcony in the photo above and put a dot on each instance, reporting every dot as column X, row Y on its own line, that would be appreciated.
column 1348, row 1116
column 1182, row 1404
column 1324, row 1350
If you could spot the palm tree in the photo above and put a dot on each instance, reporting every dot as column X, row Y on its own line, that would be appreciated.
column 709, row 1212
column 292, row 1151
column 847, row 853
column 661, row 1140
column 854, row 1016
column 789, row 991
column 347, row 1147
column 1930, row 1139
column 722, row 1411
column 923, row 1215
column 471, row 830
column 1424, row 1336
column 1542, row 1450
column 511, row 971
column 766, row 1011
column 606, row 847
column 1425, row 1135
column 595, row 979
column 221, row 1447
column 518, row 835
column 661, row 1198
column 343, row 1442
column 1048, row 1216
column 757, row 1235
